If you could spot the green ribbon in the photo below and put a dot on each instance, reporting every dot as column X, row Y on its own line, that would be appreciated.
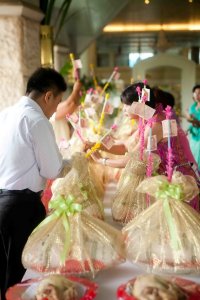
column 165, row 192
column 169, row 190
column 62, row 207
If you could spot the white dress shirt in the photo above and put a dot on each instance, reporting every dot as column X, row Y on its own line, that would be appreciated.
column 28, row 151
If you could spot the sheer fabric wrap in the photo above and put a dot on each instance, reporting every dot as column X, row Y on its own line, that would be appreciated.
column 80, row 182
column 127, row 201
column 166, row 236
column 70, row 241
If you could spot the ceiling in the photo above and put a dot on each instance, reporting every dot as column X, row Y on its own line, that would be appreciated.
column 156, row 12
column 87, row 19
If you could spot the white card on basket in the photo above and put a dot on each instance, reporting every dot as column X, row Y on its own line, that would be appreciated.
column 145, row 95
column 109, row 109
column 152, row 143
column 88, row 98
column 74, row 118
column 173, row 128
column 77, row 64
column 117, row 76
column 108, row 141
column 90, row 111
column 142, row 110
column 64, row 144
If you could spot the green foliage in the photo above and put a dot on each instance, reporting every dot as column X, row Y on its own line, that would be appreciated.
column 48, row 6
column 66, row 69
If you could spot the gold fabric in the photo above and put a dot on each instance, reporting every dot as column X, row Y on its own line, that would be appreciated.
column 96, row 172
column 127, row 202
column 94, row 245
column 166, row 236
column 82, row 184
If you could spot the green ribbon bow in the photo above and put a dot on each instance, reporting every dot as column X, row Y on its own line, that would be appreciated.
column 169, row 190
column 62, row 207
column 165, row 192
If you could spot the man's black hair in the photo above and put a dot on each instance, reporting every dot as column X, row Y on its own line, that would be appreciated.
column 46, row 79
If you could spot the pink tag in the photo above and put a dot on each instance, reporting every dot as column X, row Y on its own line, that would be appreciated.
column 74, row 118
column 88, row 98
column 64, row 144
column 173, row 128
column 84, row 123
column 145, row 95
column 77, row 64
column 141, row 110
column 152, row 143
column 108, row 141
column 109, row 109
column 117, row 76
column 90, row 111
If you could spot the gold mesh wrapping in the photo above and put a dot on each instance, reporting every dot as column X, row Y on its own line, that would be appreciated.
column 94, row 245
column 166, row 236
column 80, row 182
column 127, row 202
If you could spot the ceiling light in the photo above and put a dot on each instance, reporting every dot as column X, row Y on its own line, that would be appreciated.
column 146, row 1
column 152, row 27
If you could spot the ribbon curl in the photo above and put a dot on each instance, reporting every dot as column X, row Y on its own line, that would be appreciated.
column 165, row 192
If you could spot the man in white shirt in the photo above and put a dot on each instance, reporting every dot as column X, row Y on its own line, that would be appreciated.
column 28, row 156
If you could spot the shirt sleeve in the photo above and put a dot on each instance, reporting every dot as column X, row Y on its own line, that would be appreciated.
column 191, row 109
column 47, row 155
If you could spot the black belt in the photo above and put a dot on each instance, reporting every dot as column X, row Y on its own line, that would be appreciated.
column 14, row 192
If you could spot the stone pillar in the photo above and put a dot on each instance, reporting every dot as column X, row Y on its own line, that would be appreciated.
column 88, row 57
column 20, row 49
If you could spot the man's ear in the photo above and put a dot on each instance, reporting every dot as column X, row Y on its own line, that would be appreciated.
column 48, row 96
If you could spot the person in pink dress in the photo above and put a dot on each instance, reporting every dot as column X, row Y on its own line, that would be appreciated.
column 182, row 157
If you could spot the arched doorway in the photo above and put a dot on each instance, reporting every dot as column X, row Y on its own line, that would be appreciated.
column 185, row 70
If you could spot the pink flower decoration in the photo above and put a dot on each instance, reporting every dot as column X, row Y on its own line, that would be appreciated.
column 144, row 98
column 138, row 90
column 114, row 127
column 145, row 82
column 168, row 112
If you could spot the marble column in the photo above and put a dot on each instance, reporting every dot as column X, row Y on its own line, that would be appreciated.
column 20, row 48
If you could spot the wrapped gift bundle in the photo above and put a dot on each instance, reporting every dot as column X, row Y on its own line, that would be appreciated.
column 82, row 184
column 165, row 237
column 127, row 202
column 70, row 241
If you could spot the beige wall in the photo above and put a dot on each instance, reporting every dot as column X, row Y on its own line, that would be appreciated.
column 19, row 51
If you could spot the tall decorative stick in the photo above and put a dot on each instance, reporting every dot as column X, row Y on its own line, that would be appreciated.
column 168, row 113
column 109, row 81
column 102, row 117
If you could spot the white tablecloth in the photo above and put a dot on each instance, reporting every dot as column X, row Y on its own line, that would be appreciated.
column 109, row 280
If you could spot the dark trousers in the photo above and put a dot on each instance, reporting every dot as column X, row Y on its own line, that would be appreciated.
column 20, row 213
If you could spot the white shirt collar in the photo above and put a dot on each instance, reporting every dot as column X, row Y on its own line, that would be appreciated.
column 25, row 100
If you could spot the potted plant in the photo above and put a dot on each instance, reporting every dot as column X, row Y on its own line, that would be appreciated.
column 49, row 24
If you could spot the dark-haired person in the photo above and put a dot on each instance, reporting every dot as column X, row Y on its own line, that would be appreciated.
column 28, row 156
column 181, row 163
column 194, row 129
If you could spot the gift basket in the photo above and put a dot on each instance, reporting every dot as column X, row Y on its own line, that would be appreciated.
column 71, row 241
column 154, row 287
column 53, row 287
column 165, row 237
column 127, row 202
column 81, row 183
